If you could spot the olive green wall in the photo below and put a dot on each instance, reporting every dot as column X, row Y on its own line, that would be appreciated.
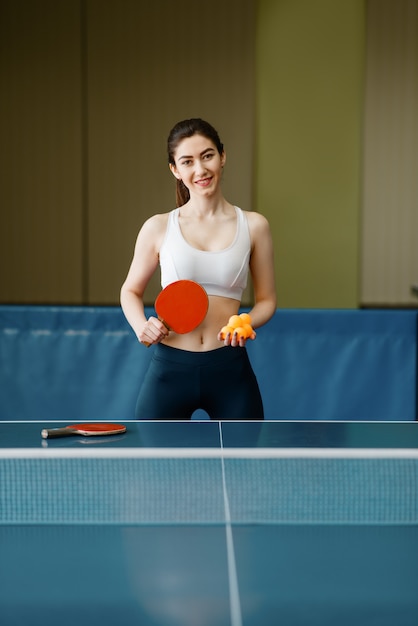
column 309, row 70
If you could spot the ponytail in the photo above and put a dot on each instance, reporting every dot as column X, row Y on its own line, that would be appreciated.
column 182, row 193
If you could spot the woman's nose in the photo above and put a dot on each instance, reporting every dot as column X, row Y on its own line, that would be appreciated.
column 200, row 167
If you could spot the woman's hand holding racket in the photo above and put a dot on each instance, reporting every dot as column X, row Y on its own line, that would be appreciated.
column 153, row 331
column 237, row 331
column 181, row 307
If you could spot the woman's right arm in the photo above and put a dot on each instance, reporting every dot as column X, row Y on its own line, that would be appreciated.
column 143, row 266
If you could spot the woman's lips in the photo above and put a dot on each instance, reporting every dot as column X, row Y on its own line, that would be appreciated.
column 203, row 182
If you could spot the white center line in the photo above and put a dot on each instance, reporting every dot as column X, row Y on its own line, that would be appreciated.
column 234, row 599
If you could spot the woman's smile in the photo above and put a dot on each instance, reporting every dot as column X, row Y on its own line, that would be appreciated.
column 203, row 182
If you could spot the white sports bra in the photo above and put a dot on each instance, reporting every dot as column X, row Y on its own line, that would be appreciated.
column 221, row 273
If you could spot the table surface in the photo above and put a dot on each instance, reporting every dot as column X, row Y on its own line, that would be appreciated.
column 211, row 434
column 207, row 523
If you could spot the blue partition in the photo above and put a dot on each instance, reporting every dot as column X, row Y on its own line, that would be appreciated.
column 83, row 363
column 338, row 365
column 68, row 363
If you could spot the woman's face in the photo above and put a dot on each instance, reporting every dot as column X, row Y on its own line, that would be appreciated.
column 198, row 164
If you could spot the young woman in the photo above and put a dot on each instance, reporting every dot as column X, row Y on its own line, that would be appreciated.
column 210, row 241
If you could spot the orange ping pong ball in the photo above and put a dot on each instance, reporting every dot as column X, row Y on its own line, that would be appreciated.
column 225, row 330
column 235, row 321
column 245, row 318
column 240, row 332
column 248, row 330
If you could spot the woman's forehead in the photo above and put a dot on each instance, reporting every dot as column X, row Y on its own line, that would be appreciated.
column 195, row 144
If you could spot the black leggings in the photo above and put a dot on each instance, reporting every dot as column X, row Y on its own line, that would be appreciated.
column 221, row 382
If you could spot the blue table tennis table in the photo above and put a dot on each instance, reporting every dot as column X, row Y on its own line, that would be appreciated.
column 210, row 524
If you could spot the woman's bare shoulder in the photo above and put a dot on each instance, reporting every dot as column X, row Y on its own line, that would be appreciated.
column 152, row 232
column 257, row 220
column 156, row 222
column 154, row 228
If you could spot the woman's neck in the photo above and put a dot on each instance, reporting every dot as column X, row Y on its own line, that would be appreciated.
column 205, row 206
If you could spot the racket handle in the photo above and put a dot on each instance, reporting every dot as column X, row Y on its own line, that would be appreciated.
column 49, row 433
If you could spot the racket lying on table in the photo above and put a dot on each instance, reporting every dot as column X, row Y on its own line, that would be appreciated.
column 182, row 306
column 86, row 430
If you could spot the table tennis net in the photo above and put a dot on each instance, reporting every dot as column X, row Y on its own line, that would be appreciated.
column 207, row 490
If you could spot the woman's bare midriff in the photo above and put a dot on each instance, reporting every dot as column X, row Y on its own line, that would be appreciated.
column 204, row 337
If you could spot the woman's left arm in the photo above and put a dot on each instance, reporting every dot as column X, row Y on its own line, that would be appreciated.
column 262, row 270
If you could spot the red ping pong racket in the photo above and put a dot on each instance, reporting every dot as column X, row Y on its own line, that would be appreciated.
column 86, row 430
column 182, row 306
